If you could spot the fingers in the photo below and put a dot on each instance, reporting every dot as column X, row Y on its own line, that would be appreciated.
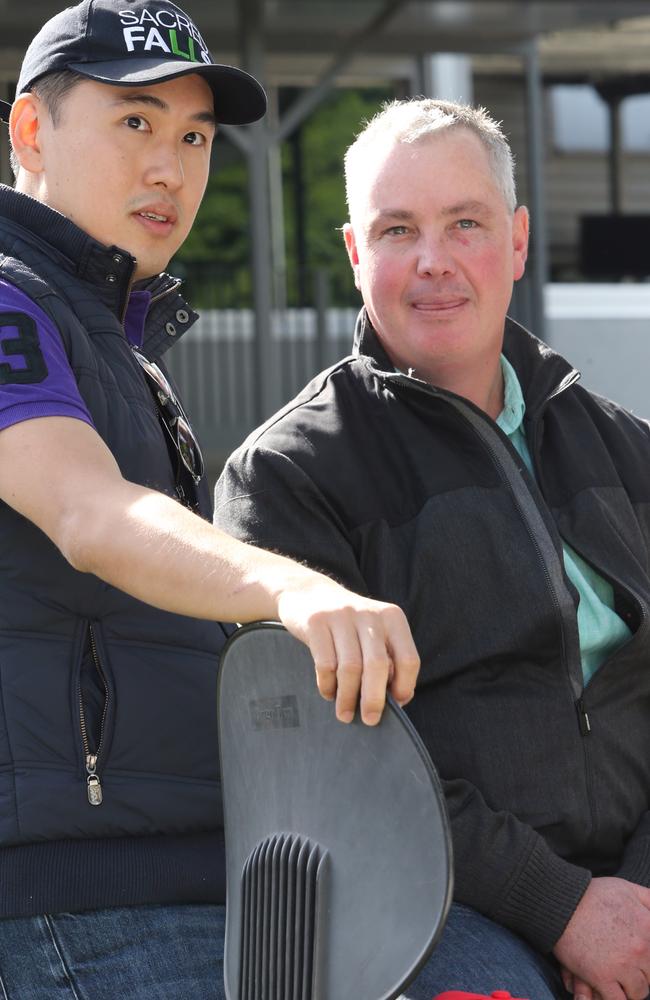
column 378, row 668
column 634, row 988
column 567, row 979
column 582, row 990
column 363, row 665
column 404, row 655
column 374, row 648
column 577, row 986
column 323, row 651
column 358, row 654
column 361, row 647
column 635, row 985
column 339, row 662
column 608, row 991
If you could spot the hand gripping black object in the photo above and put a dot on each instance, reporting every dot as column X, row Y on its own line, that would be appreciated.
column 338, row 852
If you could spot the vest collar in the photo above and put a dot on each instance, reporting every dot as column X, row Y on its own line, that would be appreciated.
column 108, row 269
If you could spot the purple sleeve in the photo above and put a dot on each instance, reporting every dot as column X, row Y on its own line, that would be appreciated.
column 36, row 379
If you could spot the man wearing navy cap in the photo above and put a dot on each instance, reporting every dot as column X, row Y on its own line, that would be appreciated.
column 111, row 580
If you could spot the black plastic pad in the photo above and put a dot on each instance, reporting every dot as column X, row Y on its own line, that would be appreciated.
column 367, row 800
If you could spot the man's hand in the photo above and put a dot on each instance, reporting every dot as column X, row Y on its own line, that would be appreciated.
column 360, row 647
column 607, row 942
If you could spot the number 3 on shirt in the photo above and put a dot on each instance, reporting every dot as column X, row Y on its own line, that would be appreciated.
column 24, row 346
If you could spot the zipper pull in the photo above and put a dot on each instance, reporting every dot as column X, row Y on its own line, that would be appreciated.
column 95, row 794
column 583, row 717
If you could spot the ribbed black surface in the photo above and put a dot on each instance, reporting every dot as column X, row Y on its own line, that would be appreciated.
column 282, row 896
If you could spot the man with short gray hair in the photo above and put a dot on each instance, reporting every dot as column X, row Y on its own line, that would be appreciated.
column 453, row 465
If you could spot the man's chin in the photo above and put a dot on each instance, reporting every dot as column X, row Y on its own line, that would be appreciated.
column 150, row 268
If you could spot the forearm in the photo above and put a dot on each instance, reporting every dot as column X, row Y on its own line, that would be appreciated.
column 60, row 475
column 156, row 550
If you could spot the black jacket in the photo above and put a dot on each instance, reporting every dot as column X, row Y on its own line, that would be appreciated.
column 413, row 495
column 84, row 668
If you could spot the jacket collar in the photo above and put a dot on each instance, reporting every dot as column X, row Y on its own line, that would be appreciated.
column 541, row 372
column 109, row 269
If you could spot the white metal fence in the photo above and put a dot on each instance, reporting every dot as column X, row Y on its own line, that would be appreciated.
column 214, row 366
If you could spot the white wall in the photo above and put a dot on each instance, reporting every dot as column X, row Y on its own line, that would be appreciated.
column 604, row 331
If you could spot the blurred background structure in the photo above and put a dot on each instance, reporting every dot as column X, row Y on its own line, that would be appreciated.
column 570, row 79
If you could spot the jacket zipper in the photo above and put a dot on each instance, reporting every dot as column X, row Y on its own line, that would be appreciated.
column 581, row 705
column 549, row 560
column 568, row 381
column 583, row 717
column 93, row 783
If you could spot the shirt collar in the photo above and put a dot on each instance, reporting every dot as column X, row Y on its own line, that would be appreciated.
column 514, row 407
column 135, row 316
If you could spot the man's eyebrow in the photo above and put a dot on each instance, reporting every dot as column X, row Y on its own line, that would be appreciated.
column 472, row 207
column 390, row 215
column 207, row 117
column 394, row 213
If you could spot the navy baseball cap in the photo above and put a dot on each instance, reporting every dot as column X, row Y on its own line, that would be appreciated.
column 137, row 41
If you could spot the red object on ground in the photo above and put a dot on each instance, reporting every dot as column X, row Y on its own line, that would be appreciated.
column 457, row 995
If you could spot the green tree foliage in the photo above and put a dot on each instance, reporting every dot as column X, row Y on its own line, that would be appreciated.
column 325, row 138
column 215, row 259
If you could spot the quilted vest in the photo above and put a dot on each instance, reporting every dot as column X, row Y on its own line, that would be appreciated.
column 102, row 697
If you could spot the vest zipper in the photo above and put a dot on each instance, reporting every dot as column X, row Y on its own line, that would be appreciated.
column 173, row 287
column 93, row 783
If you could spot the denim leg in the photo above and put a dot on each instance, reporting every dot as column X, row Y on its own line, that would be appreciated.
column 139, row 952
column 30, row 966
column 476, row 955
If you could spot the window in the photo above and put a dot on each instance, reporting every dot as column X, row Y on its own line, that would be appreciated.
column 581, row 121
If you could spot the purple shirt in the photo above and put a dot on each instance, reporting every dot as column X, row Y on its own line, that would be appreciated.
column 36, row 379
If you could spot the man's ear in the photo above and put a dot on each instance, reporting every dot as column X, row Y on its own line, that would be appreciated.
column 519, row 241
column 351, row 247
column 24, row 129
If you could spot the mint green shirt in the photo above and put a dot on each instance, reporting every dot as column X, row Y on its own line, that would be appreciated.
column 600, row 628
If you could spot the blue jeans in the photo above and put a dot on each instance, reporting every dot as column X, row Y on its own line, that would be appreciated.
column 478, row 956
column 176, row 953
column 127, row 953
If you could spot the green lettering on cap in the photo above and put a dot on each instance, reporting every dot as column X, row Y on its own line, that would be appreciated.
column 191, row 54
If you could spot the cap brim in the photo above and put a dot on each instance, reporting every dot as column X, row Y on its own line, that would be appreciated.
column 5, row 111
column 238, row 97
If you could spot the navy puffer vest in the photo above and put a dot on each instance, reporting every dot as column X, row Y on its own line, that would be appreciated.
column 66, row 637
